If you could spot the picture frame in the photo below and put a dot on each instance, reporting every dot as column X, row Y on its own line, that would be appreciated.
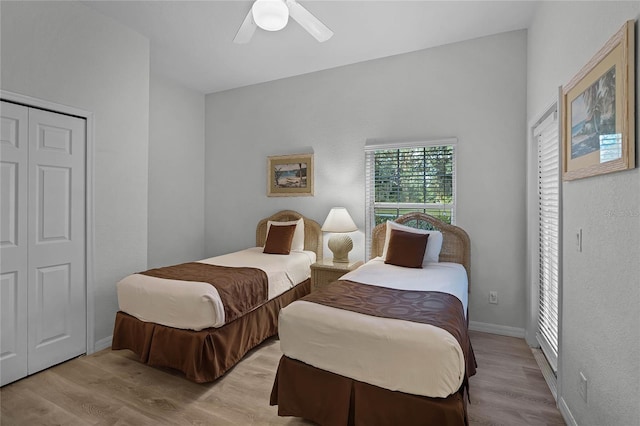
column 290, row 175
column 598, row 111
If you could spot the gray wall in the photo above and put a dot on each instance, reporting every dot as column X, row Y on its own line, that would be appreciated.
column 474, row 90
column 176, row 173
column 68, row 54
column 601, row 285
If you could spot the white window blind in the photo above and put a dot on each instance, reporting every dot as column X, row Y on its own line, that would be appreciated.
column 546, row 135
column 408, row 177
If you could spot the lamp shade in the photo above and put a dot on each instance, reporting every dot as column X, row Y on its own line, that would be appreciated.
column 270, row 15
column 339, row 220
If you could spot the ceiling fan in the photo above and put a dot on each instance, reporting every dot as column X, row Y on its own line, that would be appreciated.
column 273, row 15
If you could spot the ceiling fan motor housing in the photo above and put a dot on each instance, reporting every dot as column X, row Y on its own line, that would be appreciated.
column 270, row 15
column 273, row 15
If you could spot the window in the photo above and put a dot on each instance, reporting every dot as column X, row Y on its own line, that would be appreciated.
column 546, row 136
column 408, row 177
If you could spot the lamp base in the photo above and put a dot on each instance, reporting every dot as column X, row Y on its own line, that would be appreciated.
column 340, row 245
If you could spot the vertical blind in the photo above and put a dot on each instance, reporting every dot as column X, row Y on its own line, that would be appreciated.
column 408, row 177
column 546, row 135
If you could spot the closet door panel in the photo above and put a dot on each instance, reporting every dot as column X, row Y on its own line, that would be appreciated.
column 57, row 299
column 13, row 241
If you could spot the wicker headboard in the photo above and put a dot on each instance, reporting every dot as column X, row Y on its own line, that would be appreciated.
column 456, row 246
column 312, row 232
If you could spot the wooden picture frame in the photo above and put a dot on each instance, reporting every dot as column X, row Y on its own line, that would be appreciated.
column 598, row 111
column 290, row 175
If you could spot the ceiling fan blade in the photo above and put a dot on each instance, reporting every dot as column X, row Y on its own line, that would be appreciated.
column 246, row 30
column 309, row 22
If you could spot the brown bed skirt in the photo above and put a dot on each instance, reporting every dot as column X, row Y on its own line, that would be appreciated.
column 204, row 355
column 302, row 390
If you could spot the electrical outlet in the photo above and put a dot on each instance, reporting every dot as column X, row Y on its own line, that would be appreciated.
column 582, row 386
column 493, row 297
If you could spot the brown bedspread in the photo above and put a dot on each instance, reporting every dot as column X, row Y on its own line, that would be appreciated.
column 329, row 399
column 241, row 289
column 439, row 309
column 203, row 355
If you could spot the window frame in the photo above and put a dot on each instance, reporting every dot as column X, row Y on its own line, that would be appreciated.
column 549, row 223
column 373, row 146
column 553, row 378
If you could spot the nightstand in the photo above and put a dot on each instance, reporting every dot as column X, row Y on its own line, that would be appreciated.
column 325, row 272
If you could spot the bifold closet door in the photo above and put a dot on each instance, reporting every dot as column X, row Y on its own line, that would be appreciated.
column 57, row 287
column 51, row 296
column 14, row 150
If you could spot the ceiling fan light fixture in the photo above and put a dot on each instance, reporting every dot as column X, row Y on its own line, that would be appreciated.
column 270, row 15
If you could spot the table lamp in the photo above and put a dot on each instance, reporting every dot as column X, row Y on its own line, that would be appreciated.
column 339, row 222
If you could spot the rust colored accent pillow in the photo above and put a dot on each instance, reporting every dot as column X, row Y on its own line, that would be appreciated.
column 279, row 239
column 406, row 249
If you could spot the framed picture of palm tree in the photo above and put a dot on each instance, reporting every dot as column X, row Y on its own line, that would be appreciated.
column 290, row 175
column 598, row 111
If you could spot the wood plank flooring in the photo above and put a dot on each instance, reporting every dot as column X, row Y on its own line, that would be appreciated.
column 112, row 388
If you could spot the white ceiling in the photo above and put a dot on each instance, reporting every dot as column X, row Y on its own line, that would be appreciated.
column 192, row 41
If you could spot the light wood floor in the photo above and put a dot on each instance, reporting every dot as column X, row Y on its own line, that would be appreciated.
column 111, row 388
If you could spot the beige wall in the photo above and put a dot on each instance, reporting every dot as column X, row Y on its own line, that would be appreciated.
column 474, row 90
column 176, row 173
column 63, row 52
column 601, row 284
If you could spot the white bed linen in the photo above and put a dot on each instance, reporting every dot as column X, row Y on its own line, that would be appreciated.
column 404, row 356
column 196, row 305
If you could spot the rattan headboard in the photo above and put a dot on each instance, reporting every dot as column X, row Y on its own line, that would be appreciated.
column 312, row 232
column 456, row 246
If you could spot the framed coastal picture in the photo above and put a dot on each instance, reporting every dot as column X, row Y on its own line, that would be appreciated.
column 598, row 111
column 290, row 175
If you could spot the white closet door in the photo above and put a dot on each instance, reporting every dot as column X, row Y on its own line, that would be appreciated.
column 56, row 206
column 13, row 241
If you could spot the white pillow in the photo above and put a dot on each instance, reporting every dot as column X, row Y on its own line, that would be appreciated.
column 298, row 236
column 434, row 243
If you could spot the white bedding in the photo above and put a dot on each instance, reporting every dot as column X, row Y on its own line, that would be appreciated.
column 404, row 356
column 196, row 305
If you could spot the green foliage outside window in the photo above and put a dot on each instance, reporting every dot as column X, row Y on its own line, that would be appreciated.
column 414, row 176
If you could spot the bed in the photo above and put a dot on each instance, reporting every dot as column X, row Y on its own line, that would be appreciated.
column 173, row 317
column 356, row 353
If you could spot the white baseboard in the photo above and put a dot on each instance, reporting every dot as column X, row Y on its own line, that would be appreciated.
column 502, row 330
column 566, row 413
column 103, row 343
